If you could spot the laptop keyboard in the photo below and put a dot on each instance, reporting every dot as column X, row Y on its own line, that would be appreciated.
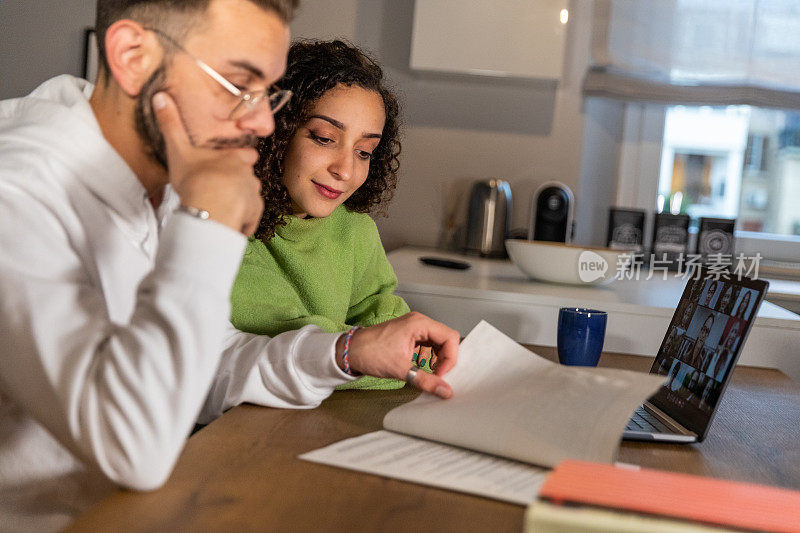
column 642, row 420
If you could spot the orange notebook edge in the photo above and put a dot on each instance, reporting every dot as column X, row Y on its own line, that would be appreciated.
column 684, row 496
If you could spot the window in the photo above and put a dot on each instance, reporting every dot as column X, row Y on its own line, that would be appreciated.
column 732, row 162
column 711, row 122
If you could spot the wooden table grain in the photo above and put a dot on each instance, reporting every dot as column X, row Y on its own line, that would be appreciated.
column 241, row 473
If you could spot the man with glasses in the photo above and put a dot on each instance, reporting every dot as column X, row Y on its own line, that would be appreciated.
column 125, row 209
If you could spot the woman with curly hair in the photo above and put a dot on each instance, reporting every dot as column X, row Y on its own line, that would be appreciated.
column 316, row 257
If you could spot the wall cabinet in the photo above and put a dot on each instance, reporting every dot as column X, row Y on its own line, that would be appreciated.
column 505, row 38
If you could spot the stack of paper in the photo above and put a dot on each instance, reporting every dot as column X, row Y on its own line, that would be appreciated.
column 509, row 403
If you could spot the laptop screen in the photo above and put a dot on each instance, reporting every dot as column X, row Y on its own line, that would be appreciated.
column 702, row 344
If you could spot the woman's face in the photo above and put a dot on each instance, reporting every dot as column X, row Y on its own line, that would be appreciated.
column 743, row 305
column 733, row 336
column 705, row 331
column 687, row 315
column 726, row 298
column 710, row 294
column 328, row 157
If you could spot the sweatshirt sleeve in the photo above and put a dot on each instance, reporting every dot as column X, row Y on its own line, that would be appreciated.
column 296, row 370
column 124, row 397
column 373, row 300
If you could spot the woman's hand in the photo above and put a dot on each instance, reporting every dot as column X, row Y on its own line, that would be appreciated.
column 424, row 357
column 384, row 350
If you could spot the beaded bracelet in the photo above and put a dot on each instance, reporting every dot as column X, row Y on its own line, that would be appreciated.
column 346, row 353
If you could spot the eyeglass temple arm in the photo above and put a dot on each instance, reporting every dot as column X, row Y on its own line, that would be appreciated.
column 208, row 70
column 214, row 74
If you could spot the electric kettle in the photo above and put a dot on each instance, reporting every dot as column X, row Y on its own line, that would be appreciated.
column 488, row 218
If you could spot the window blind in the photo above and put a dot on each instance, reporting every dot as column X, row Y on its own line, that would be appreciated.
column 712, row 52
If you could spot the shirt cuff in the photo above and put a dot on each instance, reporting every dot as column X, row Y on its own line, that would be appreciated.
column 321, row 372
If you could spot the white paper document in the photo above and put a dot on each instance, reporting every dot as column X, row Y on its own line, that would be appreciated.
column 507, row 402
column 510, row 402
column 421, row 461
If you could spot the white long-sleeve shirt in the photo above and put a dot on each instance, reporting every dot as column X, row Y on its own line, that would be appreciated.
column 114, row 331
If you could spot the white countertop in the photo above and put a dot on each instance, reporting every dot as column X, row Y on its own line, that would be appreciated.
column 784, row 289
column 639, row 310
column 500, row 279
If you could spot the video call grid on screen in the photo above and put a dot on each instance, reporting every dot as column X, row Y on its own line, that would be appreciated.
column 702, row 341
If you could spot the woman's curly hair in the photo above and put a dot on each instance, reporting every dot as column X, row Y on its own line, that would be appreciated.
column 314, row 68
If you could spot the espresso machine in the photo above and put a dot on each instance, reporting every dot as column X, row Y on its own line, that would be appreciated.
column 552, row 213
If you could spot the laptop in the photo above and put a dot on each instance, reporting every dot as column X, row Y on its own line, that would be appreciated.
column 697, row 356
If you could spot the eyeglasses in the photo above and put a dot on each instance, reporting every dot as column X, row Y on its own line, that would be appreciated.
column 249, row 101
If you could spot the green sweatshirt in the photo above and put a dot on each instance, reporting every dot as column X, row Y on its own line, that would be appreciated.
column 331, row 272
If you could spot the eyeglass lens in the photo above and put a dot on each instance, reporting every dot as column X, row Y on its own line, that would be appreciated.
column 276, row 100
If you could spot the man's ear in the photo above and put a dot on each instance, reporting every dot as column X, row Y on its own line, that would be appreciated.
column 133, row 53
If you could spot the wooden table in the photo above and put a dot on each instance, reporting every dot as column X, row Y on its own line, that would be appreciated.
column 241, row 473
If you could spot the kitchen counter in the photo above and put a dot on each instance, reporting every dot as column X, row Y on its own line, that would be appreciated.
column 785, row 293
column 784, row 289
column 639, row 311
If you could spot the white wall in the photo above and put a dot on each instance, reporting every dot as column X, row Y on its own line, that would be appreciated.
column 40, row 39
column 457, row 128
column 464, row 128
column 600, row 163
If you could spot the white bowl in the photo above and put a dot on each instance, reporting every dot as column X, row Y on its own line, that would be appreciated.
column 565, row 263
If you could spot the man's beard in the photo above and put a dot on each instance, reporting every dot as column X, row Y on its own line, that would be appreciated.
column 145, row 118
column 150, row 132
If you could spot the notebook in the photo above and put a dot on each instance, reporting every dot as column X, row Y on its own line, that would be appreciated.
column 649, row 498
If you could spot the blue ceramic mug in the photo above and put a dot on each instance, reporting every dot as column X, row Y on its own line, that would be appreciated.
column 581, row 333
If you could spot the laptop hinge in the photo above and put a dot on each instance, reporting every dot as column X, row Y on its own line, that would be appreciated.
column 668, row 420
